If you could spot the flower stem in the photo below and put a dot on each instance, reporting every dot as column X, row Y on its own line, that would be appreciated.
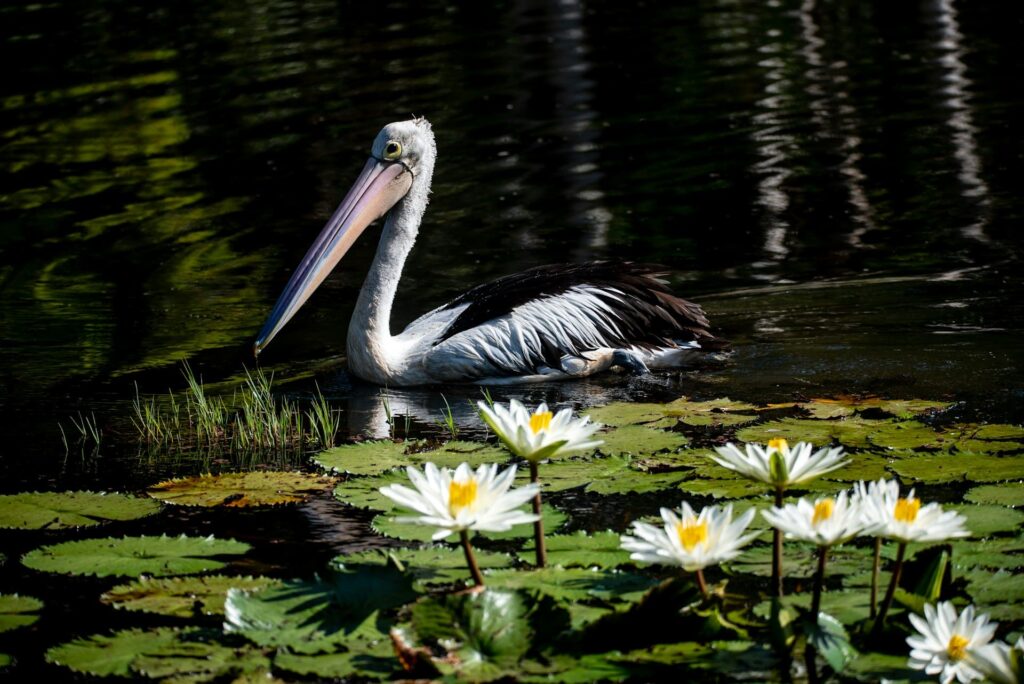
column 873, row 608
column 538, row 527
column 777, row 552
column 474, row 569
column 891, row 591
column 819, row 582
column 701, row 584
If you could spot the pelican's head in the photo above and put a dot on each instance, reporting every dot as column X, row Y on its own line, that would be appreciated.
column 401, row 163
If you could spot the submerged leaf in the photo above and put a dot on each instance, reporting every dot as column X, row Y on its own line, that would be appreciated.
column 185, row 597
column 130, row 556
column 18, row 611
column 59, row 510
column 241, row 490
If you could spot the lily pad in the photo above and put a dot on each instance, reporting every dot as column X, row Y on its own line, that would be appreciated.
column 944, row 468
column 364, row 492
column 387, row 524
column 1000, row 594
column 185, row 597
column 18, row 611
column 241, row 490
column 721, row 489
column 181, row 654
column 851, row 432
column 375, row 458
column 622, row 413
column 984, row 520
column 639, row 440
column 317, row 616
column 1006, row 494
column 847, row 406
column 577, row 584
column 429, row 566
column 132, row 556
column 608, row 475
column 846, row 606
column 995, row 554
column 600, row 550
column 60, row 510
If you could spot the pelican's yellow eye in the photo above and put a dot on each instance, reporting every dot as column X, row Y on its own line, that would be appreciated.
column 393, row 150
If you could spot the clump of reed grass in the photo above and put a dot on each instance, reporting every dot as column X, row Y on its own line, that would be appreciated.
column 86, row 430
column 254, row 419
column 447, row 421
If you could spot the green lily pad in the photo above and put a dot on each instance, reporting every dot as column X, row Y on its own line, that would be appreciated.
column 18, row 611
column 1006, row 494
column 943, row 468
column 626, row 413
column 241, row 490
column 386, row 524
column 601, row 550
column 364, row 492
column 878, row 667
column 132, row 556
column 831, row 640
column 185, row 597
column 721, row 489
column 607, row 475
column 60, row 510
column 898, row 408
column 862, row 466
column 1000, row 594
column 372, row 659
column 985, row 520
column 846, row 606
column 639, row 440
column 180, row 654
column 851, row 432
column 317, row 616
column 485, row 634
column 375, row 458
column 577, row 584
column 429, row 566
column 5, row 660
column 995, row 554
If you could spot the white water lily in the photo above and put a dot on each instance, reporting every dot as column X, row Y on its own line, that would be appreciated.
column 999, row 663
column 459, row 500
column 780, row 465
column 904, row 518
column 541, row 434
column 826, row 522
column 946, row 641
column 688, row 540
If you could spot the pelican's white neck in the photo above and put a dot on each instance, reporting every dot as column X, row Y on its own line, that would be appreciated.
column 369, row 331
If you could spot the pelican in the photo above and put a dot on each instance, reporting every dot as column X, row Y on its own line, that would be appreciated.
column 547, row 323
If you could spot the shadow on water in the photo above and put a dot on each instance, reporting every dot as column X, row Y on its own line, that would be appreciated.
column 838, row 183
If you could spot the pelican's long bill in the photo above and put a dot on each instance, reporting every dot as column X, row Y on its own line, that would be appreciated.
column 379, row 187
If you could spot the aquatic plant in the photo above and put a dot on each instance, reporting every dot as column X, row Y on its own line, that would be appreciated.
column 536, row 437
column 945, row 641
column 781, row 467
column 462, row 500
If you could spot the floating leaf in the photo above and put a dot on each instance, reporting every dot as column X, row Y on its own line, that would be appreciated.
column 847, row 606
column 990, row 553
column 626, row 413
column 132, row 556
column 986, row 520
column 608, row 475
column 374, row 458
column 721, row 489
column 640, row 441
column 851, row 432
column 185, row 597
column 182, row 654
column 5, row 660
column 601, row 550
column 847, row 406
column 59, row 510
column 485, row 633
column 947, row 468
column 1000, row 594
column 1006, row 494
column 18, row 611
column 576, row 584
column 241, row 490
column 831, row 640
column 429, row 566
column 364, row 492
column 318, row 615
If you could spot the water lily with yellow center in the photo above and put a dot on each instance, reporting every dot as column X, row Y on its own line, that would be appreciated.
column 688, row 540
column 1000, row 663
column 946, row 642
column 825, row 522
column 541, row 434
column 778, row 464
column 904, row 518
column 454, row 501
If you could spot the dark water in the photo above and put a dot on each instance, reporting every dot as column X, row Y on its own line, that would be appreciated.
column 838, row 183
